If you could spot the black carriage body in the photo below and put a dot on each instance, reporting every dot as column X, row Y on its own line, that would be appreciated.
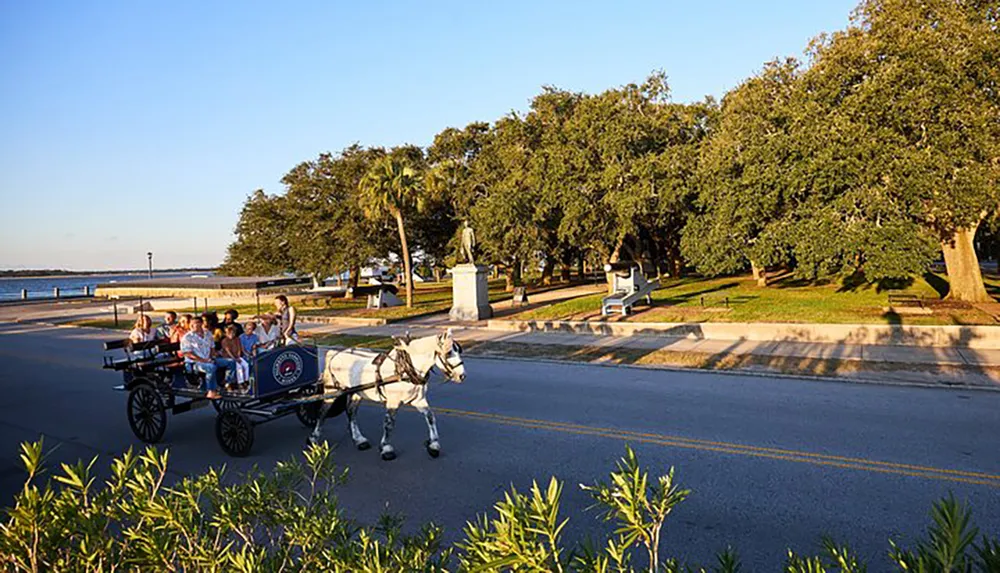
column 283, row 369
column 158, row 382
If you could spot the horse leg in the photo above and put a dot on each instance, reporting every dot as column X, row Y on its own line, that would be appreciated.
column 360, row 441
column 388, row 424
column 317, row 432
column 432, row 444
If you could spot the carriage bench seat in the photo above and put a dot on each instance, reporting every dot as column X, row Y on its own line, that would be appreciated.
column 196, row 378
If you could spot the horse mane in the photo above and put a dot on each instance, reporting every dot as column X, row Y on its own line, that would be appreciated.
column 422, row 344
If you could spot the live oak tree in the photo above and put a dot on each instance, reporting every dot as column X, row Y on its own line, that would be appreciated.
column 502, row 215
column 628, row 158
column 910, row 96
column 744, row 177
column 550, row 174
column 261, row 244
column 391, row 188
column 449, row 192
column 328, row 231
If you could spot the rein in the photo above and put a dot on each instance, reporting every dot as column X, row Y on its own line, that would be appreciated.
column 405, row 371
column 449, row 370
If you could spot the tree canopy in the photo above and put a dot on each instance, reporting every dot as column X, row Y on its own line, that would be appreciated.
column 872, row 156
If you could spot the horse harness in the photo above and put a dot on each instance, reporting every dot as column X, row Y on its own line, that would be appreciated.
column 405, row 371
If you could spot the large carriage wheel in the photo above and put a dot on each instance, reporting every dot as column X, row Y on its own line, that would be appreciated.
column 146, row 413
column 234, row 432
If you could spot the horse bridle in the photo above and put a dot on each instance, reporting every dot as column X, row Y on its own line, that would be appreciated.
column 441, row 359
column 405, row 370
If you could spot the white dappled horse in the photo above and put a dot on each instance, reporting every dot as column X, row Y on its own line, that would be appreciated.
column 395, row 378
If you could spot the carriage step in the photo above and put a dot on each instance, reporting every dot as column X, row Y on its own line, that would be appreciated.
column 262, row 412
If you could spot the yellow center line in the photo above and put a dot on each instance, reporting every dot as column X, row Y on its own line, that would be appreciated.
column 976, row 478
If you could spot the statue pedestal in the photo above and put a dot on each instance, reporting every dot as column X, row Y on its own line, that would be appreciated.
column 470, row 293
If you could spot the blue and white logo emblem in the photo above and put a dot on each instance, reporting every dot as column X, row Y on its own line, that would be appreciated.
column 287, row 368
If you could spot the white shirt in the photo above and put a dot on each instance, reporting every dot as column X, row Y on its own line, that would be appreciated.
column 265, row 335
column 139, row 335
column 201, row 346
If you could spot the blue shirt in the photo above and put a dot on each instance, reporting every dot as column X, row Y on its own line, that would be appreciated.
column 247, row 341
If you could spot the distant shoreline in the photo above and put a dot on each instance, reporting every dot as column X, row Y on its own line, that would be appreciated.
column 5, row 275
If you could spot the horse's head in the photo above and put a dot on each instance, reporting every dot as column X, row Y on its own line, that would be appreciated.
column 448, row 357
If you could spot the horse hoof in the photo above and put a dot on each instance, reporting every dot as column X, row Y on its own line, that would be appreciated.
column 434, row 452
column 364, row 446
column 388, row 456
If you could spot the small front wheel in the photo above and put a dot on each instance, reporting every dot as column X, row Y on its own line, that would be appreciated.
column 146, row 413
column 235, row 432
column 308, row 413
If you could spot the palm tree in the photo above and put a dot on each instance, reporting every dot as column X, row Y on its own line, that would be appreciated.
column 391, row 187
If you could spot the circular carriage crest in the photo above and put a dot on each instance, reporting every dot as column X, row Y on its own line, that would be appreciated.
column 287, row 368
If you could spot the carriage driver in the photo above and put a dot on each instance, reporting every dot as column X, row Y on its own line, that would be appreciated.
column 198, row 350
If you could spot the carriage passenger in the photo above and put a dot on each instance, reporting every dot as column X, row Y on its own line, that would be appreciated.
column 182, row 328
column 212, row 325
column 198, row 350
column 230, row 317
column 169, row 323
column 232, row 350
column 286, row 320
column 249, row 340
column 268, row 332
column 142, row 331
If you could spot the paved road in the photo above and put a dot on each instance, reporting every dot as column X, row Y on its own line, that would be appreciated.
column 773, row 463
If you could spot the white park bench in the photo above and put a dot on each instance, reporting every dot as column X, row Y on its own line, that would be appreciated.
column 629, row 286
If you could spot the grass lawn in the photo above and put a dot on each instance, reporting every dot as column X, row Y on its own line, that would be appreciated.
column 427, row 298
column 739, row 299
column 123, row 324
column 354, row 340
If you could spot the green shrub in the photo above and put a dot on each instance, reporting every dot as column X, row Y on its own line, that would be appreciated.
column 288, row 520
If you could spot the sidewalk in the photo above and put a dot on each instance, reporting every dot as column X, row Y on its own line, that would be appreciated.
column 951, row 366
column 867, row 353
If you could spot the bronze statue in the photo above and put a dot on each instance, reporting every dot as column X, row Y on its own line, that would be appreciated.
column 468, row 243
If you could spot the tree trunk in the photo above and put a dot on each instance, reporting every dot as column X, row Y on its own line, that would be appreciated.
column 548, row 269
column 437, row 274
column 615, row 255
column 406, row 261
column 512, row 274
column 674, row 261
column 964, row 277
column 759, row 273
column 581, row 267
column 353, row 276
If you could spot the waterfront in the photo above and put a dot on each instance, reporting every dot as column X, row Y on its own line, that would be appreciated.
column 73, row 285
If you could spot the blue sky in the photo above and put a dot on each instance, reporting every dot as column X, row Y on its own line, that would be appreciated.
column 134, row 126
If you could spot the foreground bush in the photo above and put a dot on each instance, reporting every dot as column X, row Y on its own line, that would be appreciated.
column 288, row 520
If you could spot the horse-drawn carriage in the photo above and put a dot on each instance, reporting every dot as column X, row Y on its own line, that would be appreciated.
column 284, row 380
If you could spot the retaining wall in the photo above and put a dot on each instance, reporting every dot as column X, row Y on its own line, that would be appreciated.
column 987, row 337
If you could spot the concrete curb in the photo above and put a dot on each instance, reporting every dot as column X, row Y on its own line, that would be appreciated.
column 679, row 369
column 755, row 373
column 972, row 336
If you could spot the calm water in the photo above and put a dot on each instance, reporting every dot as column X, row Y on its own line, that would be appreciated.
column 10, row 288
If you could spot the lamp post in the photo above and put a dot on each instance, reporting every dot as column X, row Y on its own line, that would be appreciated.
column 149, row 256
